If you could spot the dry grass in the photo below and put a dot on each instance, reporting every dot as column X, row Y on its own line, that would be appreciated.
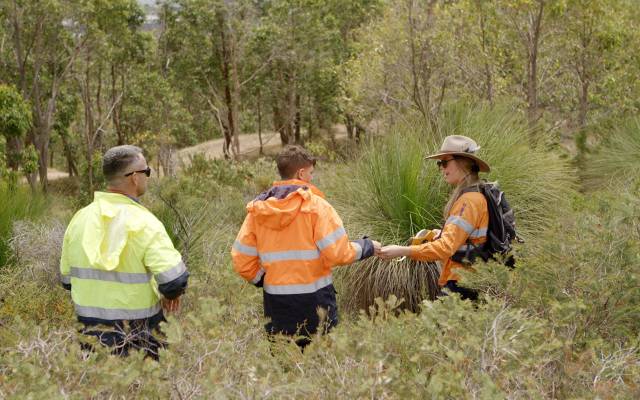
column 37, row 247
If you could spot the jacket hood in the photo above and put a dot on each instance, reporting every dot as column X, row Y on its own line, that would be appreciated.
column 116, row 220
column 277, row 207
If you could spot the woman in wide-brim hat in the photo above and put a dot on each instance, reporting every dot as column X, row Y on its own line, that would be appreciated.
column 466, row 214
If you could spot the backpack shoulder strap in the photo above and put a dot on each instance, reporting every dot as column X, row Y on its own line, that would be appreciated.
column 473, row 188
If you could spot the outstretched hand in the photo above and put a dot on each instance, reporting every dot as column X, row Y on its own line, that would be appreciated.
column 393, row 251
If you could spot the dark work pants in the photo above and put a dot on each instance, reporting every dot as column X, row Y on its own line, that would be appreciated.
column 124, row 336
column 465, row 293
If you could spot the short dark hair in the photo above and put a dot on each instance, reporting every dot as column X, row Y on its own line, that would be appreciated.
column 117, row 159
column 291, row 159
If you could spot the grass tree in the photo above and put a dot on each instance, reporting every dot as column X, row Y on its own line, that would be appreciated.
column 393, row 193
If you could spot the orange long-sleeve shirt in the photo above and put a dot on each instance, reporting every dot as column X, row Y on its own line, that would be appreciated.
column 468, row 220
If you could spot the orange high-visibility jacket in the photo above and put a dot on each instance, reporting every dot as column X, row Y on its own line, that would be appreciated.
column 290, row 240
column 466, row 225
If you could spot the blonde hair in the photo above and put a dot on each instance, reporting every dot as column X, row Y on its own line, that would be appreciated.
column 471, row 178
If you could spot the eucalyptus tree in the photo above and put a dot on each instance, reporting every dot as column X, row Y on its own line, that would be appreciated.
column 203, row 45
column 15, row 121
column 114, row 44
column 306, row 42
column 45, row 41
column 405, row 61
column 592, row 37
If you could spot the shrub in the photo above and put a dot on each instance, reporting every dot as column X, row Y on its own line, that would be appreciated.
column 217, row 350
column 583, row 274
column 392, row 193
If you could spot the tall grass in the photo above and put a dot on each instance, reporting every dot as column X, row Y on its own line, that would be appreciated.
column 16, row 203
column 392, row 193
column 617, row 159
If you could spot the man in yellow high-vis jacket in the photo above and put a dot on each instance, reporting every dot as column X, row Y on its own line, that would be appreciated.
column 118, row 261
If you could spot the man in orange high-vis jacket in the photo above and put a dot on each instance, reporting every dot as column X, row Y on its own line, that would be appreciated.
column 290, row 240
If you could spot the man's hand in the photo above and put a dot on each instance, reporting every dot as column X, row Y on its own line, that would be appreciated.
column 393, row 251
column 171, row 306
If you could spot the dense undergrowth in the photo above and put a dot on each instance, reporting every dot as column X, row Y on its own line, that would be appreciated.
column 563, row 324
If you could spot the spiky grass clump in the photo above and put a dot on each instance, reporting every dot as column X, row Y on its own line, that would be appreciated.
column 393, row 193
column 617, row 160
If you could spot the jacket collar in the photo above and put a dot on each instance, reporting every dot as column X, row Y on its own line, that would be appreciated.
column 299, row 183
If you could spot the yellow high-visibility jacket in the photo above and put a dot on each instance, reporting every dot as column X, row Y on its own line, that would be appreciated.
column 290, row 240
column 468, row 221
column 117, row 260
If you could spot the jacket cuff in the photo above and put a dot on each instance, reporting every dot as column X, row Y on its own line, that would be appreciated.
column 176, row 287
column 367, row 248
column 65, row 281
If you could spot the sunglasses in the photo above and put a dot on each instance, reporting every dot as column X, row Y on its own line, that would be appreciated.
column 443, row 163
column 147, row 172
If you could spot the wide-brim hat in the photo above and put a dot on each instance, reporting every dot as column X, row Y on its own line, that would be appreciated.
column 458, row 145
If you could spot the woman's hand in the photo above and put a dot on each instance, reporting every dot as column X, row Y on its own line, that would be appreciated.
column 393, row 251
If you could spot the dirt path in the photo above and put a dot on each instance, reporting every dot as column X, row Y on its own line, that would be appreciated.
column 212, row 149
column 53, row 174
column 249, row 145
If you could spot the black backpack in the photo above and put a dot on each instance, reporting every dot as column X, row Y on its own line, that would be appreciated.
column 501, row 231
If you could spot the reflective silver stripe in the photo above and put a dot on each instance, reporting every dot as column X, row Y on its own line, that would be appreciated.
column 116, row 313
column 171, row 274
column 244, row 249
column 111, row 276
column 301, row 288
column 461, row 222
column 358, row 248
column 478, row 233
column 259, row 276
column 289, row 255
column 66, row 279
column 331, row 238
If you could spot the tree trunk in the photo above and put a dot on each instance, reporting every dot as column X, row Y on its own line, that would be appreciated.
column 166, row 158
column 235, row 95
column 280, row 124
column 488, row 73
column 259, row 106
column 348, row 121
column 310, row 130
column 532, row 65
column 360, row 131
column 115, row 116
column 15, row 145
column 296, row 120
column 584, row 104
column 231, row 87
column 68, row 153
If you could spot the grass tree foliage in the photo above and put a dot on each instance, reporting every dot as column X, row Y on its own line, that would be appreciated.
column 393, row 193
column 616, row 161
